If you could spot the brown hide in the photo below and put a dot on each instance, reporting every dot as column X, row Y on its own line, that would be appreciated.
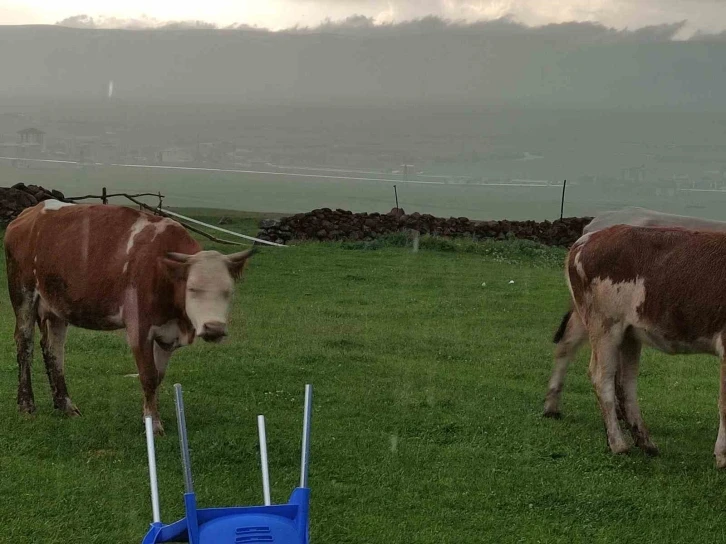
column 104, row 267
column 77, row 258
column 683, row 273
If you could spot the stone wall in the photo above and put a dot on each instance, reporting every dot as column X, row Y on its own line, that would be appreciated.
column 15, row 199
column 326, row 224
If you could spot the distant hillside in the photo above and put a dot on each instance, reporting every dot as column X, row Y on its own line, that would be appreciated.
column 427, row 66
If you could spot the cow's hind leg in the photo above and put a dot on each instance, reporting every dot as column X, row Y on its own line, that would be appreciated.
column 620, row 395
column 568, row 339
column 52, row 342
column 629, row 361
column 720, row 449
column 604, row 364
column 25, row 306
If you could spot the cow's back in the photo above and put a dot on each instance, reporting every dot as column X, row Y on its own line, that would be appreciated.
column 642, row 217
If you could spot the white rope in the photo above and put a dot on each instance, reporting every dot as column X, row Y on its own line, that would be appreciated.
column 180, row 216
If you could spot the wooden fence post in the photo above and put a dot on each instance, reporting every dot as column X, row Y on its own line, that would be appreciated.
column 104, row 199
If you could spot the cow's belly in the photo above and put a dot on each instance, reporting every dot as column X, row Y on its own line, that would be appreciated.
column 83, row 314
column 657, row 339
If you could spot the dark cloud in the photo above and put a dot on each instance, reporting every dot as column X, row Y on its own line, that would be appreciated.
column 361, row 25
column 581, row 32
column 140, row 23
column 354, row 61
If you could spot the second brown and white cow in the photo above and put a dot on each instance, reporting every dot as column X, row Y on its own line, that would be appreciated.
column 662, row 287
column 105, row 268
column 572, row 334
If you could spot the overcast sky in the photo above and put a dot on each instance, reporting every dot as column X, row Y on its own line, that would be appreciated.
column 705, row 15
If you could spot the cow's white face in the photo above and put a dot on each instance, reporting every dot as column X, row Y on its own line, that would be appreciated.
column 209, row 288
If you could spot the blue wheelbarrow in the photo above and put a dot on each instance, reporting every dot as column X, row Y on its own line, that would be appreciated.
column 269, row 524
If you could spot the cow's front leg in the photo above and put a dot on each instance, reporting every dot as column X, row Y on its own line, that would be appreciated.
column 25, row 311
column 150, row 379
column 53, row 340
column 720, row 449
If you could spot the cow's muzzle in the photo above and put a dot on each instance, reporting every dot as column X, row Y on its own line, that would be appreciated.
column 214, row 331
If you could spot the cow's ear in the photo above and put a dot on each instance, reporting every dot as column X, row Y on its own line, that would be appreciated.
column 176, row 265
column 236, row 262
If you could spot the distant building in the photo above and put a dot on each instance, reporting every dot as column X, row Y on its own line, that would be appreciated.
column 636, row 173
column 32, row 137
column 175, row 155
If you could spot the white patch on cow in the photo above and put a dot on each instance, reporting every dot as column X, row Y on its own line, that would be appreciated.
column 136, row 228
column 118, row 318
column 131, row 315
column 582, row 240
column 141, row 224
column 169, row 334
column 125, row 268
column 578, row 264
column 618, row 301
column 718, row 345
column 209, row 290
column 52, row 204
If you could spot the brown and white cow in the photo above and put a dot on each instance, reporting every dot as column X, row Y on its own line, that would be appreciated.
column 105, row 268
column 662, row 287
column 572, row 334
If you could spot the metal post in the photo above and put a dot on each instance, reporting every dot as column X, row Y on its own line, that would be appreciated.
column 183, row 440
column 307, row 418
column 263, row 460
column 152, row 469
column 562, row 205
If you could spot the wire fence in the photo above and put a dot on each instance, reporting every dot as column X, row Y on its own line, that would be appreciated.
column 104, row 196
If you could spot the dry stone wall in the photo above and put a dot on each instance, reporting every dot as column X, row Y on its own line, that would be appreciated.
column 327, row 225
column 15, row 199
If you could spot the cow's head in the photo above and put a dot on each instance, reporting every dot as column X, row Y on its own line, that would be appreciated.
column 209, row 278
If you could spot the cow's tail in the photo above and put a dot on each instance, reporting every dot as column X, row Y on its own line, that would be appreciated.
column 560, row 334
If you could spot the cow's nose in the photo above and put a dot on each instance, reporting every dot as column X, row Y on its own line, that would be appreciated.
column 213, row 331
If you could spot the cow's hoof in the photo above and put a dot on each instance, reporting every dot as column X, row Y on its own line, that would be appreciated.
column 720, row 461
column 158, row 428
column 72, row 411
column 650, row 449
column 553, row 414
column 620, row 447
column 26, row 407
column 67, row 408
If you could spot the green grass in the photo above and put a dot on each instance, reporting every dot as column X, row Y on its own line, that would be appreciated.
column 427, row 428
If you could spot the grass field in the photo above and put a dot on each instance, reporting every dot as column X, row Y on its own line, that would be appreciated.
column 426, row 427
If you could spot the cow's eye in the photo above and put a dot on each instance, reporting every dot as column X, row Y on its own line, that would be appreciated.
column 194, row 291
